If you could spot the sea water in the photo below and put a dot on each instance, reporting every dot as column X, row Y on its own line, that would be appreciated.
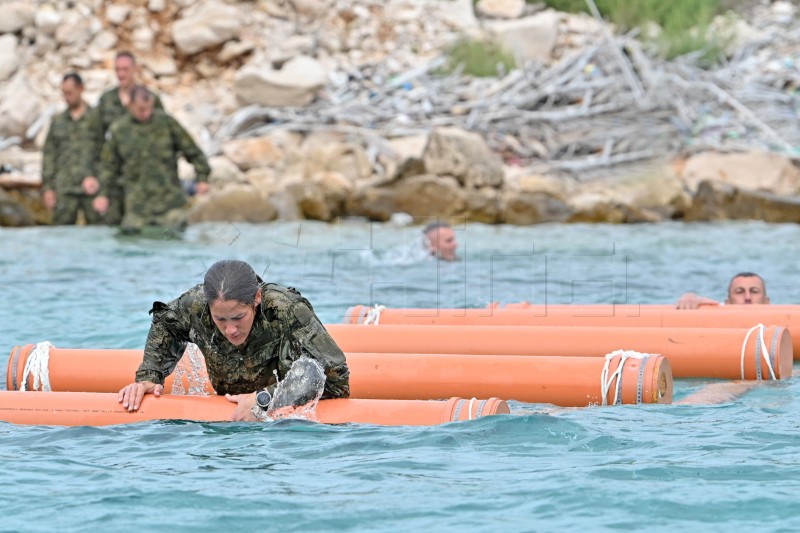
column 543, row 468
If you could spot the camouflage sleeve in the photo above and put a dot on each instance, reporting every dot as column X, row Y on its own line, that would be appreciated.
column 49, row 161
column 166, row 341
column 91, row 143
column 110, row 166
column 193, row 154
column 311, row 338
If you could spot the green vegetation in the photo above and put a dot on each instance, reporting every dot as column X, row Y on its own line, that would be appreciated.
column 684, row 24
column 480, row 58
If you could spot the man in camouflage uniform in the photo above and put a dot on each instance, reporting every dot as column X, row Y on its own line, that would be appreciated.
column 112, row 105
column 140, row 159
column 251, row 334
column 62, row 177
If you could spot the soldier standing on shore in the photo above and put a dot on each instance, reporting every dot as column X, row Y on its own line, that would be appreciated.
column 62, row 177
column 140, row 160
column 112, row 105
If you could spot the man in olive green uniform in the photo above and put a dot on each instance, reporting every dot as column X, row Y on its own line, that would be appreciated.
column 140, row 159
column 285, row 328
column 112, row 105
column 62, row 176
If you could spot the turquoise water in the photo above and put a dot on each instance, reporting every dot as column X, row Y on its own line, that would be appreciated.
column 709, row 468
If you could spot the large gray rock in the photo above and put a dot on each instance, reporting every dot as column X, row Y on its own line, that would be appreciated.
column 749, row 170
column 459, row 14
column 255, row 152
column 14, row 16
column 294, row 85
column 419, row 196
column 18, row 108
column 652, row 195
column 9, row 58
column 235, row 203
column 529, row 38
column 464, row 155
column 19, row 209
column 212, row 24
column 322, row 197
column 528, row 207
column 719, row 201
column 504, row 9
column 47, row 19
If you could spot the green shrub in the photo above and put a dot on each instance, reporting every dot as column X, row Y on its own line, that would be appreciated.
column 480, row 58
column 685, row 24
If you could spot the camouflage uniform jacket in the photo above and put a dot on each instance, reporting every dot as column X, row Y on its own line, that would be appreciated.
column 61, row 158
column 285, row 328
column 141, row 158
column 109, row 108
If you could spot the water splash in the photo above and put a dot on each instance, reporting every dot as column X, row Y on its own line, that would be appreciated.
column 191, row 366
column 298, row 394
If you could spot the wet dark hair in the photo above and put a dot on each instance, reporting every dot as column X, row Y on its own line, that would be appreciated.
column 231, row 280
column 125, row 53
column 747, row 275
column 75, row 77
column 434, row 225
column 140, row 92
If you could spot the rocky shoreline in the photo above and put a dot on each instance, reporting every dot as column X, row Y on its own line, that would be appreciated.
column 319, row 109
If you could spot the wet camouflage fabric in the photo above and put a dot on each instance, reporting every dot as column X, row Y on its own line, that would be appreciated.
column 285, row 329
column 109, row 108
column 141, row 160
column 62, row 171
column 69, row 205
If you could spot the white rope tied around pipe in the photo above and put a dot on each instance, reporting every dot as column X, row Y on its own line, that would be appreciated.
column 38, row 364
column 605, row 379
column 764, row 349
column 374, row 315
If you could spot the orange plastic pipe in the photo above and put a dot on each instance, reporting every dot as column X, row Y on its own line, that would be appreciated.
column 692, row 352
column 102, row 409
column 741, row 316
column 84, row 370
column 565, row 381
column 568, row 381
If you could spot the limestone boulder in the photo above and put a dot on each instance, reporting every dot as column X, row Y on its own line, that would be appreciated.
column 22, row 208
column 483, row 205
column 458, row 14
column 421, row 196
column 654, row 195
column 346, row 159
column 294, row 85
column 14, row 16
column 224, row 172
column 18, row 108
column 264, row 151
column 322, row 197
column 523, row 208
column 504, row 9
column 265, row 179
column 749, row 170
column 463, row 155
column 212, row 24
column 720, row 201
column 234, row 203
column 47, row 19
column 610, row 212
column 530, row 38
column 9, row 58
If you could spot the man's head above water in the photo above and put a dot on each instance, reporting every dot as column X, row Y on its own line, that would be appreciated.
column 440, row 240
column 747, row 288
